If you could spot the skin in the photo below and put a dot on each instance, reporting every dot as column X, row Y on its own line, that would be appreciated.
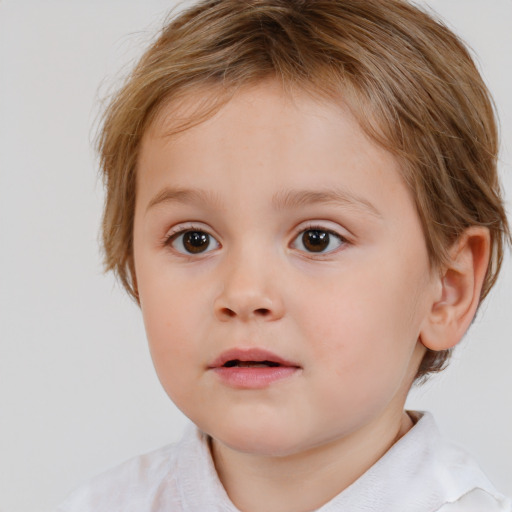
column 351, row 318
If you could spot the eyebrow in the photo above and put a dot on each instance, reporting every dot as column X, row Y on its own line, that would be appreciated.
column 184, row 195
column 289, row 199
column 282, row 200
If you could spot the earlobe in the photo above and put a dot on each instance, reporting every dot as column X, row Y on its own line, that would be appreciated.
column 459, row 287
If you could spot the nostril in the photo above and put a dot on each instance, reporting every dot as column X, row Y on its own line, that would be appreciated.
column 246, row 312
column 262, row 312
column 228, row 312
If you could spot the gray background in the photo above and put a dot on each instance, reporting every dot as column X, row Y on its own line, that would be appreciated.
column 77, row 389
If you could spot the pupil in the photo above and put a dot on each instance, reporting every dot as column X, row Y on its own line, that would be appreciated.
column 196, row 241
column 315, row 240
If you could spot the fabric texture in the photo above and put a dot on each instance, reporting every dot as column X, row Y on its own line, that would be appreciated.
column 422, row 472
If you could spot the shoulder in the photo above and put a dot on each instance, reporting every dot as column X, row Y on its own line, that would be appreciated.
column 478, row 500
column 453, row 475
column 423, row 472
column 143, row 483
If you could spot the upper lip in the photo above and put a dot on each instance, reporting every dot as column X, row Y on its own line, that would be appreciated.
column 249, row 354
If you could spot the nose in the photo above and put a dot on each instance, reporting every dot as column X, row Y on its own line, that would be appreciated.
column 249, row 291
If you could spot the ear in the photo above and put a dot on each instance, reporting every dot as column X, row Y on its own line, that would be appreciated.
column 458, row 286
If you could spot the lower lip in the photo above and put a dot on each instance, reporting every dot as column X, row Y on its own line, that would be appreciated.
column 253, row 378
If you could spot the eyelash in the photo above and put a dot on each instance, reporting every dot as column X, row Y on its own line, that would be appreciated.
column 174, row 235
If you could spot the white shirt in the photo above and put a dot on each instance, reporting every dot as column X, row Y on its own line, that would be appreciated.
column 422, row 472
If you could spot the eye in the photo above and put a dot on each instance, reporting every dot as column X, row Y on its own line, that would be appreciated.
column 192, row 241
column 317, row 241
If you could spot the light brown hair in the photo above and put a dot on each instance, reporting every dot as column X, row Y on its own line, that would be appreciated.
column 407, row 78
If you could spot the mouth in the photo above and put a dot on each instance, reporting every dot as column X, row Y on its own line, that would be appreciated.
column 252, row 368
column 250, row 358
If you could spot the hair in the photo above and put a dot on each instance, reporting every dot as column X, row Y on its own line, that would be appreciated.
column 410, row 82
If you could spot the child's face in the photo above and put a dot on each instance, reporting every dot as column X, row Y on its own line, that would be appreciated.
column 277, row 225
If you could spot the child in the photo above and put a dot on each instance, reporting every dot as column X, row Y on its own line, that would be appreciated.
column 302, row 198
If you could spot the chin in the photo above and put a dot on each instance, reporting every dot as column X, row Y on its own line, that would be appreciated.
column 257, row 438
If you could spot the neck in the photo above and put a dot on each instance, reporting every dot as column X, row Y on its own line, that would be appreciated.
column 305, row 481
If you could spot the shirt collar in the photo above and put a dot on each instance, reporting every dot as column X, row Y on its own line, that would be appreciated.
column 420, row 472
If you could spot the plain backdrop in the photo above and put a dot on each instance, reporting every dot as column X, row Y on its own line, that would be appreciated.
column 77, row 389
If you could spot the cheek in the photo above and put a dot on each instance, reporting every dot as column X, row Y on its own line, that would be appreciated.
column 363, row 327
column 169, row 300
column 175, row 319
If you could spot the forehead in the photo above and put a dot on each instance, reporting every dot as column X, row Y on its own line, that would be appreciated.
column 255, row 124
column 261, row 131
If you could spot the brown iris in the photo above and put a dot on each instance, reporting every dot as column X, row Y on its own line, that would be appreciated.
column 315, row 240
column 196, row 241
